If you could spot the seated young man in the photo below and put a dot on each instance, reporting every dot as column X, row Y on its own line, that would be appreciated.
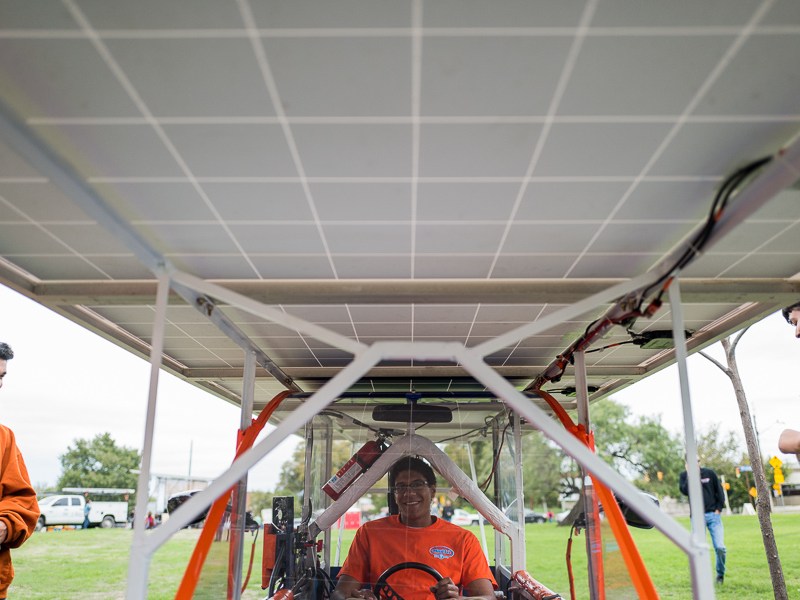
column 415, row 536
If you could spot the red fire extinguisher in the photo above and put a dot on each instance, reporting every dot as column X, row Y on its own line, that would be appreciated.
column 353, row 468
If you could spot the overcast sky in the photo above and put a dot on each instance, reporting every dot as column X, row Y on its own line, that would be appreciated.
column 67, row 383
column 768, row 356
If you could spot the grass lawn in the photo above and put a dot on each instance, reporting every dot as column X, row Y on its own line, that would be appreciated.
column 92, row 565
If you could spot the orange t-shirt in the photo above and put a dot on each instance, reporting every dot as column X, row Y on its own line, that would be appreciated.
column 452, row 551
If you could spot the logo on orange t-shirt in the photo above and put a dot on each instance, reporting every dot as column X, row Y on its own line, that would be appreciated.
column 442, row 552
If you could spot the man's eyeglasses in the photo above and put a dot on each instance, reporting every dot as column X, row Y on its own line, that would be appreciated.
column 414, row 486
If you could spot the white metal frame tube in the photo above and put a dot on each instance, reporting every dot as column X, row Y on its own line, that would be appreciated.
column 537, row 417
column 474, row 476
column 423, row 351
column 332, row 389
column 140, row 558
column 700, row 566
column 326, row 501
column 416, row 445
column 564, row 314
column 519, row 481
column 594, row 555
column 471, row 361
column 366, row 358
column 239, row 500
column 271, row 314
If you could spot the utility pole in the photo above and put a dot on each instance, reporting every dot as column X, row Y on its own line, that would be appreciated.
column 189, row 475
column 758, row 436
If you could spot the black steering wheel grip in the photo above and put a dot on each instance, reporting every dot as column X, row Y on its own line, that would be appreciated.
column 383, row 586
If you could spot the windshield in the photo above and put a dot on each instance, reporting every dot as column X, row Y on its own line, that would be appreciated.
column 47, row 501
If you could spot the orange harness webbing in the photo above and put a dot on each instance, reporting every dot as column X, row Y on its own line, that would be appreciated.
column 217, row 510
column 633, row 560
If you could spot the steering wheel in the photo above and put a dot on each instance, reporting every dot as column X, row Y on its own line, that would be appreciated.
column 383, row 586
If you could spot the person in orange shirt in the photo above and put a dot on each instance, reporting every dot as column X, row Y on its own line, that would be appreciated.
column 415, row 535
column 19, row 510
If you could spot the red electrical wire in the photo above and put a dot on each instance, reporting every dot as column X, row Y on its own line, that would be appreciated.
column 570, row 574
column 250, row 566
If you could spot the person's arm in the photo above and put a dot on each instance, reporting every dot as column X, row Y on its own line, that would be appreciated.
column 19, row 510
column 349, row 587
column 478, row 589
column 789, row 441
column 476, row 579
column 355, row 569
column 719, row 493
column 683, row 484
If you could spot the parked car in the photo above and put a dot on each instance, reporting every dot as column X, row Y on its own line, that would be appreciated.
column 176, row 500
column 462, row 517
column 531, row 516
column 67, row 509
column 632, row 518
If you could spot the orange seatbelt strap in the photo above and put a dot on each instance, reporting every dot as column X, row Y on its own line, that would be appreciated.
column 195, row 566
column 633, row 561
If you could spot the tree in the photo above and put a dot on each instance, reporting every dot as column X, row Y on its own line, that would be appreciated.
column 482, row 457
column 258, row 501
column 641, row 449
column 290, row 482
column 98, row 463
column 292, row 477
column 542, row 469
column 763, row 506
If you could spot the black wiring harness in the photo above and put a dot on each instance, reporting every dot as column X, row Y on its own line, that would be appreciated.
column 638, row 304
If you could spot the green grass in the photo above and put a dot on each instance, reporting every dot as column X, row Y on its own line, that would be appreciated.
column 747, row 573
column 92, row 565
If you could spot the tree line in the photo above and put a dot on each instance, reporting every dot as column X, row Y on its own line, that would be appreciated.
column 98, row 462
column 638, row 447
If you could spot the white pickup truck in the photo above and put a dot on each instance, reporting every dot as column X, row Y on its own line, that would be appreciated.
column 67, row 509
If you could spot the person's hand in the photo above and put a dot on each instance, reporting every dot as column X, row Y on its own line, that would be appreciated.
column 445, row 589
column 363, row 593
column 3, row 532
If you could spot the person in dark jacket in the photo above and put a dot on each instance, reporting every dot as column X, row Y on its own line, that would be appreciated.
column 713, row 503
column 448, row 511
column 87, row 508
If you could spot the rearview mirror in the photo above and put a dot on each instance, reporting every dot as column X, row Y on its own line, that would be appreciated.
column 412, row 413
